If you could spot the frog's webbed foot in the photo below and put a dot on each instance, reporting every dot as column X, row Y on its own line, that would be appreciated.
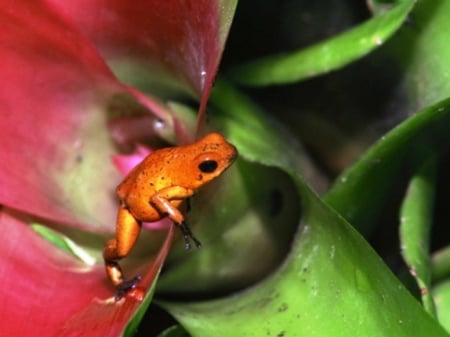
column 188, row 236
column 126, row 286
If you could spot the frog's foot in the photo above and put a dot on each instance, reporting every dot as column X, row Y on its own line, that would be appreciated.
column 126, row 286
column 188, row 236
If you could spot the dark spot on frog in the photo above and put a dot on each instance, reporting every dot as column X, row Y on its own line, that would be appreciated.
column 281, row 334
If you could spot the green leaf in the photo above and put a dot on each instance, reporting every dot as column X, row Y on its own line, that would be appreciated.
column 331, row 283
column 415, row 225
column 421, row 50
column 325, row 56
column 442, row 297
column 440, row 267
column 174, row 331
column 260, row 139
column 425, row 76
column 239, row 207
column 398, row 154
column 64, row 243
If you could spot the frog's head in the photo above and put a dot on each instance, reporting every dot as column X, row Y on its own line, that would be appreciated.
column 214, row 156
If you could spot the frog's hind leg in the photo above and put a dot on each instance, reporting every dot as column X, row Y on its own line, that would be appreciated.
column 127, row 233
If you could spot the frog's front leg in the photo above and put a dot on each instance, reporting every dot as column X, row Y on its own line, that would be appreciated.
column 161, row 201
column 127, row 233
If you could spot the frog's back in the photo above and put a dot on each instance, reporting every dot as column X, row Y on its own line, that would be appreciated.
column 142, row 179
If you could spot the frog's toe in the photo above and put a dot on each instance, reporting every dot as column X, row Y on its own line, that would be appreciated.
column 187, row 234
column 126, row 286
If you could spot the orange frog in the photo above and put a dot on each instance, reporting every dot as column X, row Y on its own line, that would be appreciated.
column 155, row 189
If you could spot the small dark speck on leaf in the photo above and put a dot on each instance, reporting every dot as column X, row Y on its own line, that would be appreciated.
column 281, row 334
column 283, row 307
column 79, row 158
column 410, row 21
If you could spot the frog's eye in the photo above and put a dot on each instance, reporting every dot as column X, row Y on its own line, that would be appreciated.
column 208, row 166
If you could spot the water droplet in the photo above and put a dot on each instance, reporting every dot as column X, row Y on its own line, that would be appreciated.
column 378, row 40
column 332, row 251
column 202, row 77
column 158, row 124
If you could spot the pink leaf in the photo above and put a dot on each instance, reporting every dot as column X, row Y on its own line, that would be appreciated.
column 125, row 163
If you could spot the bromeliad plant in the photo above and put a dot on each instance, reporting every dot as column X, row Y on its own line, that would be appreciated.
column 90, row 88
column 72, row 101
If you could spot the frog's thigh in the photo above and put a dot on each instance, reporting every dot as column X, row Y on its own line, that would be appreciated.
column 142, row 209
column 167, row 200
column 127, row 231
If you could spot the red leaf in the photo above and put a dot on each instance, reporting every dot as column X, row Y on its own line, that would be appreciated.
column 46, row 292
column 56, row 145
column 53, row 78
column 54, row 135
column 181, row 36
column 184, row 37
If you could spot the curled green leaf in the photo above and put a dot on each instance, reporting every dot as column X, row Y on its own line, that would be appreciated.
column 415, row 225
column 440, row 267
column 325, row 56
column 441, row 294
column 371, row 177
